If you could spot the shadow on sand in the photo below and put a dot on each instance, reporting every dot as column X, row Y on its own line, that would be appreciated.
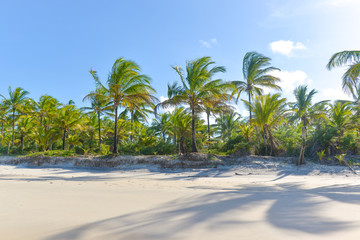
column 290, row 207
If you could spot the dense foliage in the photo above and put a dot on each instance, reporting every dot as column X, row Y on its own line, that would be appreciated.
column 124, row 116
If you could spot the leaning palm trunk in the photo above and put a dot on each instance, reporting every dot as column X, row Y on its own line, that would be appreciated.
column 302, row 151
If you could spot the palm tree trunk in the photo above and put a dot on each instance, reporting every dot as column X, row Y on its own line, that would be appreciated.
column 208, row 124
column 64, row 137
column 194, row 148
column 13, row 127
column 302, row 151
column 181, row 145
column 99, row 123
column 22, row 143
column 131, row 125
column 115, row 150
column 250, row 105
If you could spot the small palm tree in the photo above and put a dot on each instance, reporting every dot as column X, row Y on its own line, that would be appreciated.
column 16, row 98
column 68, row 117
column 340, row 115
column 125, row 85
column 227, row 125
column 304, row 111
column 269, row 111
column 196, row 88
column 25, row 127
column 257, row 74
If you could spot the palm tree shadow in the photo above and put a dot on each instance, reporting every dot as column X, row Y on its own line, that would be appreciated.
column 291, row 208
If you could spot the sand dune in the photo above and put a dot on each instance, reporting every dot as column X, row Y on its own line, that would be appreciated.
column 58, row 204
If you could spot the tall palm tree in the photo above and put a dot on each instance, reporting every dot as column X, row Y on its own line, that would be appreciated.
column 16, row 98
column 269, row 111
column 351, row 59
column 99, row 104
column 196, row 88
column 125, row 85
column 304, row 111
column 257, row 74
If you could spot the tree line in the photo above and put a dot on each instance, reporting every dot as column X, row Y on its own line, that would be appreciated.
column 125, row 117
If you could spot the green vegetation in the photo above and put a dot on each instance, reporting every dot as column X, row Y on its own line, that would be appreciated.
column 124, row 116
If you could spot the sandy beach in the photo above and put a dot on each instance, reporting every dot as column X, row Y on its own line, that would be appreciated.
column 146, row 203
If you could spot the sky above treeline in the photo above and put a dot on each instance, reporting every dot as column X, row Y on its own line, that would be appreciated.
column 48, row 47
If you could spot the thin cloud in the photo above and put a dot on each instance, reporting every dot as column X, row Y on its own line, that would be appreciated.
column 208, row 44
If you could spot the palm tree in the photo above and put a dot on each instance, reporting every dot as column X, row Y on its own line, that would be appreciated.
column 16, row 98
column 3, row 120
column 257, row 74
column 25, row 127
column 196, row 88
column 269, row 111
column 161, row 124
column 99, row 104
column 351, row 59
column 45, row 109
column 304, row 111
column 214, row 108
column 68, row 117
column 227, row 124
column 125, row 85
column 340, row 115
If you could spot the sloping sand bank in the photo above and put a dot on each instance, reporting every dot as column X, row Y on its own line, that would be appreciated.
column 145, row 203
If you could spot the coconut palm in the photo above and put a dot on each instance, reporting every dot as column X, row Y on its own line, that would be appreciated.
column 99, row 104
column 340, row 115
column 351, row 59
column 125, row 85
column 214, row 108
column 16, row 98
column 268, row 113
column 67, row 118
column 25, row 127
column 196, row 88
column 45, row 109
column 257, row 74
column 161, row 124
column 227, row 124
column 304, row 111
column 3, row 119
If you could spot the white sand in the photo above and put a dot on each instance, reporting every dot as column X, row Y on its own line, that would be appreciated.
column 57, row 204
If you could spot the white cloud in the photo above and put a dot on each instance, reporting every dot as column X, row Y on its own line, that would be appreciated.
column 291, row 79
column 332, row 94
column 286, row 47
column 208, row 44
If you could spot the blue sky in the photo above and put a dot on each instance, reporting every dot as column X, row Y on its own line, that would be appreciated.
column 48, row 47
